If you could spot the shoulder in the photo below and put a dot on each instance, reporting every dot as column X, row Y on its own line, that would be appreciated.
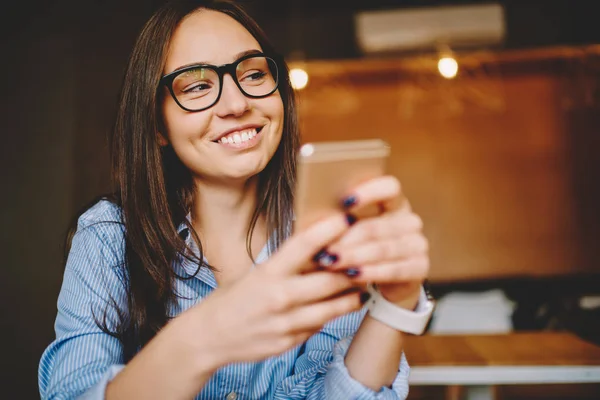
column 102, row 212
column 95, row 264
column 100, row 233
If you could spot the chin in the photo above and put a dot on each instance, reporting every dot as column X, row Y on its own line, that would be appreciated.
column 244, row 172
column 249, row 165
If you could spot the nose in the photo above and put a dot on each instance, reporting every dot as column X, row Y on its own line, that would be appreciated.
column 232, row 102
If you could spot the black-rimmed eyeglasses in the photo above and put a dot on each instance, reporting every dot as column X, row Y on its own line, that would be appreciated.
column 199, row 87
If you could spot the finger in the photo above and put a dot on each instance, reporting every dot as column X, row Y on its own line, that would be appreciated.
column 305, row 289
column 410, row 270
column 378, row 251
column 296, row 253
column 315, row 315
column 314, row 287
column 389, row 225
column 385, row 191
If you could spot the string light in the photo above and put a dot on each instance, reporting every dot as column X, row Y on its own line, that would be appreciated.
column 448, row 67
column 298, row 78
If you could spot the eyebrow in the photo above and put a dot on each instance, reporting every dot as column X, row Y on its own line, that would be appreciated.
column 237, row 57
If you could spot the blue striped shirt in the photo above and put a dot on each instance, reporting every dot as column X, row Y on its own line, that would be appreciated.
column 83, row 359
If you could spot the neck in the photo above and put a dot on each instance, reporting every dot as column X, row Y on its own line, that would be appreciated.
column 224, row 212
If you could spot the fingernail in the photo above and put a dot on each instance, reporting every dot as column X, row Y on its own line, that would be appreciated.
column 364, row 297
column 328, row 261
column 351, row 219
column 353, row 272
column 325, row 259
column 322, row 253
column 349, row 201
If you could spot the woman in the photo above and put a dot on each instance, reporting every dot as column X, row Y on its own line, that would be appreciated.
column 163, row 296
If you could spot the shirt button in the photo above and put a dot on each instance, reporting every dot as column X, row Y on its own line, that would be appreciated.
column 232, row 396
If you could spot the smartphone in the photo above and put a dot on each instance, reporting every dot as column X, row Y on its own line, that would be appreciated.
column 328, row 171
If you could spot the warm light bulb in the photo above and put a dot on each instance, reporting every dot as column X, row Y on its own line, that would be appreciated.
column 307, row 150
column 448, row 67
column 298, row 78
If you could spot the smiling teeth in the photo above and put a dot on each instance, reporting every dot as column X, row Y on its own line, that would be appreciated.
column 239, row 137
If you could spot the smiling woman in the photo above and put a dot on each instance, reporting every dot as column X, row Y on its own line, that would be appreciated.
column 163, row 295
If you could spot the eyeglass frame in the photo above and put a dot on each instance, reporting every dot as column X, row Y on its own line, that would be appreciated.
column 221, row 70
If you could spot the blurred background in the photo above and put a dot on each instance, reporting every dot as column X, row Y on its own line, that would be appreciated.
column 492, row 110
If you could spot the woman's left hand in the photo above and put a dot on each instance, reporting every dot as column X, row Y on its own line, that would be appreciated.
column 388, row 249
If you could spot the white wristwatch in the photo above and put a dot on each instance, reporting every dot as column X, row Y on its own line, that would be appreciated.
column 400, row 318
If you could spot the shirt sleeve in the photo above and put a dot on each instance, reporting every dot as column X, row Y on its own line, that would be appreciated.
column 320, row 372
column 83, row 358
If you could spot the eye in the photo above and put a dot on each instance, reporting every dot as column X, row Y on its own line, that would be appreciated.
column 256, row 75
column 197, row 81
column 253, row 77
column 197, row 88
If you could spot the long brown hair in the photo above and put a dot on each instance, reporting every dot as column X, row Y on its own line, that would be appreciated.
column 154, row 189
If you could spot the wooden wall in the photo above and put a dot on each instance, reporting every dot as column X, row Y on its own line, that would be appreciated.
column 492, row 160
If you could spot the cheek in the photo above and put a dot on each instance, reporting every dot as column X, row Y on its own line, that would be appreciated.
column 273, row 108
column 183, row 126
column 278, row 107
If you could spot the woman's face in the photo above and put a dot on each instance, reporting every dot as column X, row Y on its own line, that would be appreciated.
column 200, row 139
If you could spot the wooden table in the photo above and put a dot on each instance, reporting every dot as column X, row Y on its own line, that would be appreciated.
column 477, row 363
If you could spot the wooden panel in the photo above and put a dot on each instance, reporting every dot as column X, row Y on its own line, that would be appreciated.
column 485, row 159
column 530, row 348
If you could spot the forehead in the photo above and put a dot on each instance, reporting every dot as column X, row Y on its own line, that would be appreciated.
column 208, row 36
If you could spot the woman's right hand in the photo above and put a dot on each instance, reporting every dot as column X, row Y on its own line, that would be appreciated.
column 274, row 307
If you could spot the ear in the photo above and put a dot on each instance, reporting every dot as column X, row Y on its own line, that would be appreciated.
column 162, row 141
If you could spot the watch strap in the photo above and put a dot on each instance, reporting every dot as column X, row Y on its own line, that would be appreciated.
column 400, row 318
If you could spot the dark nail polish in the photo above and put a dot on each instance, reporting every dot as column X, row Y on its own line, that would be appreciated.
column 351, row 219
column 364, row 297
column 325, row 259
column 328, row 260
column 319, row 255
column 353, row 272
column 349, row 201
